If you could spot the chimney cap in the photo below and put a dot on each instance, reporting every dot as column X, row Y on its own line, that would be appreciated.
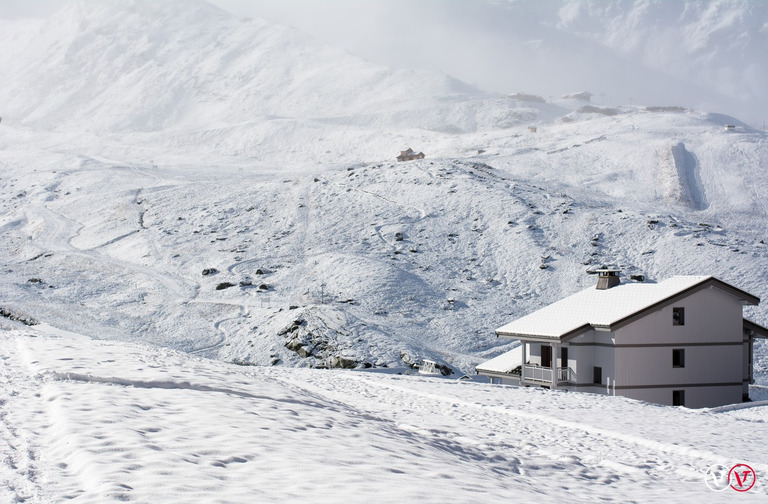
column 607, row 278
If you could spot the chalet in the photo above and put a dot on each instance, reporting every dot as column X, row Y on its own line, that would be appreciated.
column 680, row 342
column 409, row 155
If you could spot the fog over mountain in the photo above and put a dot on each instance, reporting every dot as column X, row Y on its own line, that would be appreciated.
column 707, row 55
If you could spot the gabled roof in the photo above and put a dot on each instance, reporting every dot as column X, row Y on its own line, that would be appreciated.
column 611, row 308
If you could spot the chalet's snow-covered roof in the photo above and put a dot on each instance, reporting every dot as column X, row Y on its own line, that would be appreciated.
column 604, row 308
column 504, row 363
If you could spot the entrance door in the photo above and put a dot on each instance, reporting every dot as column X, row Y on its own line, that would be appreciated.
column 546, row 356
column 563, row 357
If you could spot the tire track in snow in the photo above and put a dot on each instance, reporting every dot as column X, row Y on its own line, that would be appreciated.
column 223, row 333
column 57, row 236
column 18, row 466
column 422, row 213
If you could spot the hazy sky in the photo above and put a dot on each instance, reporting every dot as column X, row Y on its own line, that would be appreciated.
column 526, row 49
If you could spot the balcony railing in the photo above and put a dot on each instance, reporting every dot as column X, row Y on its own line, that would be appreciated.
column 536, row 373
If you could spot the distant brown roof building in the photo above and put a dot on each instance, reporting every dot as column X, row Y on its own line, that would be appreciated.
column 408, row 155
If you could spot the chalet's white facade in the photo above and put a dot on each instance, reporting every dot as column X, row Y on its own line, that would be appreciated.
column 683, row 341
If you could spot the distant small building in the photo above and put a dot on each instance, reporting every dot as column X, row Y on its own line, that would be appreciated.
column 527, row 97
column 582, row 96
column 409, row 155
column 532, row 129
column 730, row 127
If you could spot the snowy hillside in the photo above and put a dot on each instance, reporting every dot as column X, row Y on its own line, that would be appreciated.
column 385, row 263
column 147, row 66
column 712, row 48
column 96, row 422
column 133, row 219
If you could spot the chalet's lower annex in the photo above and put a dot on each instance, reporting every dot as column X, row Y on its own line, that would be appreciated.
column 683, row 342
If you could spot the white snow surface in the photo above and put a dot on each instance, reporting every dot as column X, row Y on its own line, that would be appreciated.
column 96, row 421
column 169, row 209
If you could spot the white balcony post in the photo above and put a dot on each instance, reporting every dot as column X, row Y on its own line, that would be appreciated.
column 555, row 347
column 522, row 367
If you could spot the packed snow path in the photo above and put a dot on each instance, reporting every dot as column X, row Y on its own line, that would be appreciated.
column 95, row 421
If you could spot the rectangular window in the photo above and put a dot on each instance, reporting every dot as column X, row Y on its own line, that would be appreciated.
column 678, row 357
column 678, row 316
column 597, row 375
column 678, row 398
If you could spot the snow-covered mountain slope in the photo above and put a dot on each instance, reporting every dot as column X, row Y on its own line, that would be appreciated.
column 379, row 263
column 93, row 422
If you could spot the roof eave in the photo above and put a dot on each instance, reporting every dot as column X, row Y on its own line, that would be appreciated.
column 756, row 330
column 545, row 338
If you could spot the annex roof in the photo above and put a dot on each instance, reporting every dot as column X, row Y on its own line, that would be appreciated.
column 606, row 309
column 503, row 363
